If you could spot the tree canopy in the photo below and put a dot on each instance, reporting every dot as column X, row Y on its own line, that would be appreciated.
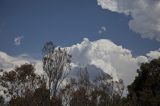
column 145, row 90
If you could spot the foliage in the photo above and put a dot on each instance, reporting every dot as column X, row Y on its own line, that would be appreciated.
column 1, row 100
column 145, row 90
column 26, row 88
column 75, row 93
column 18, row 81
column 84, row 92
column 40, row 97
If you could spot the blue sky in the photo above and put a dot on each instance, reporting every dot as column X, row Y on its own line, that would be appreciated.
column 65, row 22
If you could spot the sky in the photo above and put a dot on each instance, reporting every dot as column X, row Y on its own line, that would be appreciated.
column 25, row 25
column 114, row 36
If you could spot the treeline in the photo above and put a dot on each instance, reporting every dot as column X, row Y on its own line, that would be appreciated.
column 26, row 88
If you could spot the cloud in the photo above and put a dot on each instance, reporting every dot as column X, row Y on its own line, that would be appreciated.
column 107, row 56
column 113, row 59
column 102, row 30
column 17, row 40
column 102, row 54
column 141, row 59
column 145, row 15
column 153, row 54
column 10, row 62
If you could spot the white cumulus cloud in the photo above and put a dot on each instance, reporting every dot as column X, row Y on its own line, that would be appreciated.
column 109, row 57
column 145, row 15
column 153, row 54
column 17, row 40
column 113, row 59
column 101, row 55
column 10, row 62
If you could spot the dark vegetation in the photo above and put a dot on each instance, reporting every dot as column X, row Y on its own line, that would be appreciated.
column 25, row 88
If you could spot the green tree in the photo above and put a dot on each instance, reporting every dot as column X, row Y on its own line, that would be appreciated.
column 93, row 93
column 18, row 81
column 20, row 84
column 1, row 101
column 145, row 90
